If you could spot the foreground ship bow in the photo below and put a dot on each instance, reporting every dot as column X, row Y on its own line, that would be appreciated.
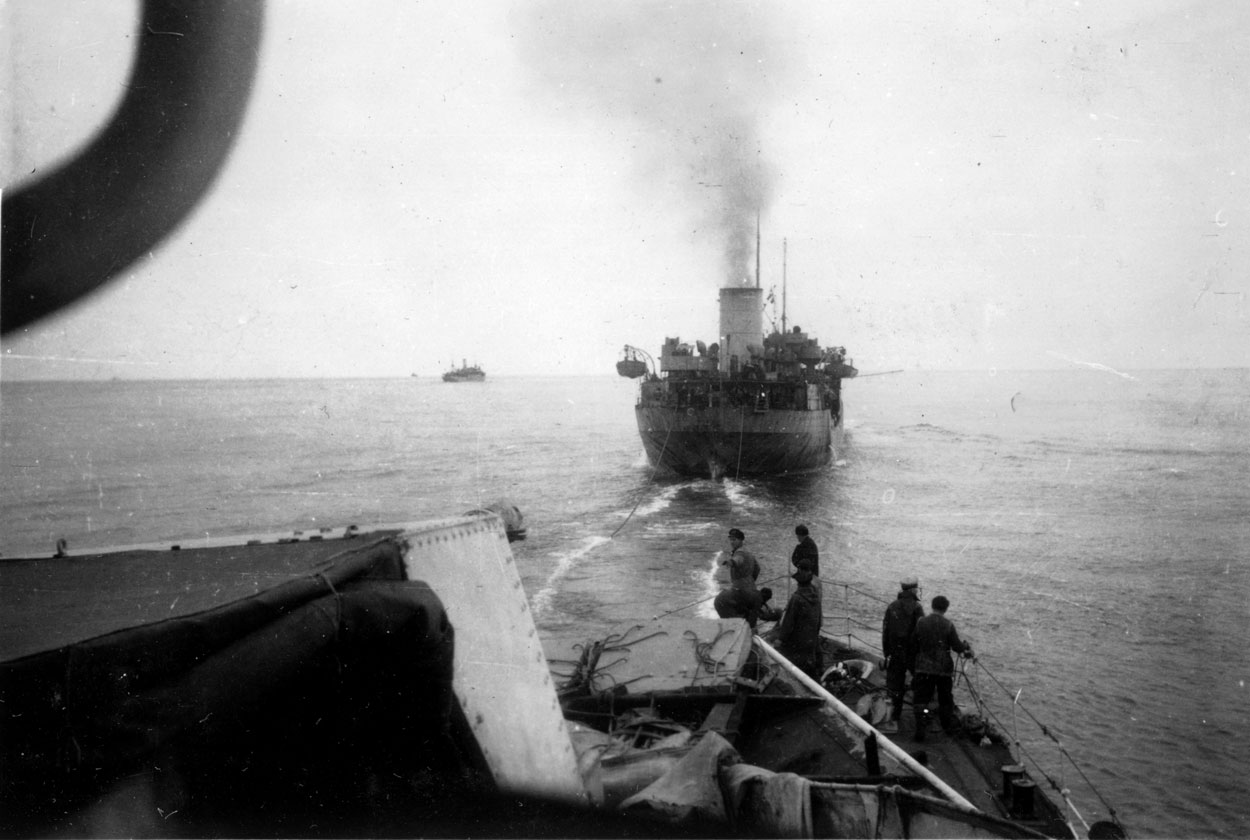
column 751, row 406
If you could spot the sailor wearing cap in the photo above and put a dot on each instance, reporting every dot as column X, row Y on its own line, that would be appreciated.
column 743, row 568
column 898, row 637
column 806, row 549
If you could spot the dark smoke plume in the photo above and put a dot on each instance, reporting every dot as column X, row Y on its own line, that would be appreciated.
column 693, row 80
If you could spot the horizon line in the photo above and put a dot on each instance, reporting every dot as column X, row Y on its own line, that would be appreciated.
column 1085, row 368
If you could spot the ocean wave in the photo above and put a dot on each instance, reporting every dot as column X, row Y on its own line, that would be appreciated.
column 1178, row 452
column 929, row 428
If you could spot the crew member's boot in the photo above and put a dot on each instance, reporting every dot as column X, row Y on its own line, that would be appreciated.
column 921, row 711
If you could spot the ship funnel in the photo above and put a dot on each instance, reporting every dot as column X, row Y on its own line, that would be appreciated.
column 741, row 323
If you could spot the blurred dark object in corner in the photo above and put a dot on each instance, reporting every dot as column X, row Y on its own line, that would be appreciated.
column 68, row 233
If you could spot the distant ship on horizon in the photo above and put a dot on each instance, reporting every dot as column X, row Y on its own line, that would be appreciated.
column 465, row 373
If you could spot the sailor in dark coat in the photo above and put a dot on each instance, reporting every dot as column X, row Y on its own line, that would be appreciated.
column 936, row 639
column 898, row 637
column 806, row 549
column 798, row 635
column 767, row 611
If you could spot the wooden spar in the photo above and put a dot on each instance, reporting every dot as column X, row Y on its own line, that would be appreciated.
column 848, row 714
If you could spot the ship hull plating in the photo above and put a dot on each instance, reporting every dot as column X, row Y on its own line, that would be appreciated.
column 737, row 441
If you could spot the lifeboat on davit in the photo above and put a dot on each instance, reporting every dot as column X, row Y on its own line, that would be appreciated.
column 632, row 363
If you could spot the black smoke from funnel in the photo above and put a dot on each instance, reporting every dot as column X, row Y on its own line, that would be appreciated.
column 693, row 80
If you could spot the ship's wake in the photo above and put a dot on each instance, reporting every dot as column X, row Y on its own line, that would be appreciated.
column 564, row 562
column 739, row 494
column 710, row 578
column 658, row 502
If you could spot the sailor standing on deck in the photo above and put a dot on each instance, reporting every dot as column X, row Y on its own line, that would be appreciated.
column 898, row 641
column 798, row 635
column 744, row 569
column 936, row 639
column 806, row 549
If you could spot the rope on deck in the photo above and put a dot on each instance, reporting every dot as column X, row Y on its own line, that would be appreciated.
column 588, row 668
column 703, row 654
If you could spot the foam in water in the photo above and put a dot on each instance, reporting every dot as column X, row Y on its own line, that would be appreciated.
column 711, row 581
column 564, row 562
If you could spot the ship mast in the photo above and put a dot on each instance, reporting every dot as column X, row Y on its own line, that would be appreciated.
column 757, row 249
column 783, row 286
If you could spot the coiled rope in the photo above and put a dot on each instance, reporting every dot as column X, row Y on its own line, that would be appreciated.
column 588, row 668
column 703, row 654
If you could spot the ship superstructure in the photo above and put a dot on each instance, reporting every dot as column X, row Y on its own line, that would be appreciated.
column 747, row 404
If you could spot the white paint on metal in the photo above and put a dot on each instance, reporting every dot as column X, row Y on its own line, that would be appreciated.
column 501, row 680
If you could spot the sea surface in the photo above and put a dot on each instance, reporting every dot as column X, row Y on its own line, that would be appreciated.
column 1090, row 528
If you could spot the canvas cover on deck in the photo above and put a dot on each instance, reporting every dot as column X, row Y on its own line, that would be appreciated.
column 710, row 789
column 280, row 690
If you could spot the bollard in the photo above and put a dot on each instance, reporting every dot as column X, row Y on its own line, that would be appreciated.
column 872, row 756
column 1011, row 772
column 1022, row 798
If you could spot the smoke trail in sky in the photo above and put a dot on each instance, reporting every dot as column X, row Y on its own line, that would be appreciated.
column 691, row 80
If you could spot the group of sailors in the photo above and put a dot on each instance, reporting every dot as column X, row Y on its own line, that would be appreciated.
column 921, row 644
column 910, row 640
column 797, row 632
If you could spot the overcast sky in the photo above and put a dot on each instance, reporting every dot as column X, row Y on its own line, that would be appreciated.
column 998, row 184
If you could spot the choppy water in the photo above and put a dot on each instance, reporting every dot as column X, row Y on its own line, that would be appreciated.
column 1089, row 529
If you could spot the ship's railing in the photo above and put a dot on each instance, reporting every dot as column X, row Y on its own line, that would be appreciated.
column 848, row 617
column 712, row 392
column 852, row 616
column 1028, row 751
